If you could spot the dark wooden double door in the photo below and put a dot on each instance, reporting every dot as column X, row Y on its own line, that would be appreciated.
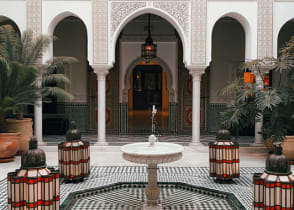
column 147, row 87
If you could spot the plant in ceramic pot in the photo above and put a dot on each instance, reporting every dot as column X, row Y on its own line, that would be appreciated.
column 29, row 76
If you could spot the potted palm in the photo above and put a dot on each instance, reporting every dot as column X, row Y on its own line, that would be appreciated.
column 272, row 104
column 30, row 79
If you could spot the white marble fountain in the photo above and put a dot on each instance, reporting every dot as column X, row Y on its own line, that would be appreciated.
column 152, row 153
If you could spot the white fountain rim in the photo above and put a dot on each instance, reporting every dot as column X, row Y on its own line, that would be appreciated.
column 145, row 149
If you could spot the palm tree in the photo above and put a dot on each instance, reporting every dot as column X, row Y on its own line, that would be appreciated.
column 23, row 76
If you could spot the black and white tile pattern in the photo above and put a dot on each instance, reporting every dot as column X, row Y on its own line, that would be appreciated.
column 198, row 176
column 131, row 196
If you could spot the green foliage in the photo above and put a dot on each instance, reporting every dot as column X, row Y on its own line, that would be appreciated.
column 23, row 76
column 253, row 102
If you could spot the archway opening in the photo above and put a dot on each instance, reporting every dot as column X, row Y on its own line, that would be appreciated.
column 148, row 88
column 228, row 53
column 9, row 24
column 71, row 40
column 285, row 34
column 162, row 70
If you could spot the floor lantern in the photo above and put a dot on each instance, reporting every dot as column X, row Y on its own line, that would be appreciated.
column 273, row 189
column 74, row 156
column 224, row 157
column 33, row 186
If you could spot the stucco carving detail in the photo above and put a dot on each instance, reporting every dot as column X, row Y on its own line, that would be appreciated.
column 120, row 10
column 179, row 10
column 265, row 28
column 34, row 16
column 100, row 31
column 198, row 24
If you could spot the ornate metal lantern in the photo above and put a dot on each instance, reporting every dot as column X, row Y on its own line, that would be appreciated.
column 274, row 188
column 33, row 186
column 249, row 77
column 74, row 156
column 149, row 49
column 224, row 157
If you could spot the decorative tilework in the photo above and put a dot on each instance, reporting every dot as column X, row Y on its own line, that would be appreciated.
column 198, row 176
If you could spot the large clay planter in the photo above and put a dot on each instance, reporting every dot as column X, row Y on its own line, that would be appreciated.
column 288, row 147
column 9, row 144
column 25, row 128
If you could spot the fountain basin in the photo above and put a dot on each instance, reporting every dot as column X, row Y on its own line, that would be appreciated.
column 143, row 153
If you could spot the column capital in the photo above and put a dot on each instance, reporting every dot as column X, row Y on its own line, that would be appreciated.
column 196, row 71
column 101, row 67
column 101, row 70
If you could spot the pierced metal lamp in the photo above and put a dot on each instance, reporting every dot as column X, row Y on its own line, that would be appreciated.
column 148, row 48
column 74, row 156
column 224, row 157
column 274, row 189
column 33, row 186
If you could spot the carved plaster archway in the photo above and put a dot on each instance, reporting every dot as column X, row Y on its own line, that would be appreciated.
column 176, row 14
column 246, row 27
column 169, row 79
column 55, row 21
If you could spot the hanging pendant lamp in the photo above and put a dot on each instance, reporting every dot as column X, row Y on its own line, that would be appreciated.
column 148, row 48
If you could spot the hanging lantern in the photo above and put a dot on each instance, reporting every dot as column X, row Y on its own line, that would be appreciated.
column 249, row 77
column 33, row 186
column 266, row 79
column 224, row 157
column 74, row 156
column 275, row 189
column 148, row 48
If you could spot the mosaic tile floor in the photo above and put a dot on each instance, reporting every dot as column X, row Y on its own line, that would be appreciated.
column 106, row 175
column 172, row 196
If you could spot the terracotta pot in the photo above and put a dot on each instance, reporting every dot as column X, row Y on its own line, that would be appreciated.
column 288, row 147
column 9, row 144
column 25, row 128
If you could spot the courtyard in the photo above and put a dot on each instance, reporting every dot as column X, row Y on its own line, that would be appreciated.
column 108, row 169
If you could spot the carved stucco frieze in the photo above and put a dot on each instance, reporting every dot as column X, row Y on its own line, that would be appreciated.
column 100, row 31
column 178, row 10
column 120, row 10
column 265, row 28
column 198, row 32
column 34, row 16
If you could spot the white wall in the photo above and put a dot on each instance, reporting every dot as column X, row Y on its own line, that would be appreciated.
column 16, row 11
column 283, row 12
column 244, row 11
column 55, row 10
column 129, row 51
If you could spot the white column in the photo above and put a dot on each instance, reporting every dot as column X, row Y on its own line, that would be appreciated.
column 196, row 74
column 101, row 77
column 38, row 124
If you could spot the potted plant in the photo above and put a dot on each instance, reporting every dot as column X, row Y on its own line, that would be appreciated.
column 274, row 105
column 29, row 78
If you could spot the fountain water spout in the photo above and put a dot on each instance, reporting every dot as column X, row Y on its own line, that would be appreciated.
column 154, row 110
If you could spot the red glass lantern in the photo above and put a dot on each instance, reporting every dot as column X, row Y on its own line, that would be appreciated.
column 249, row 77
column 274, row 188
column 266, row 79
column 74, row 156
column 33, row 186
column 224, row 157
